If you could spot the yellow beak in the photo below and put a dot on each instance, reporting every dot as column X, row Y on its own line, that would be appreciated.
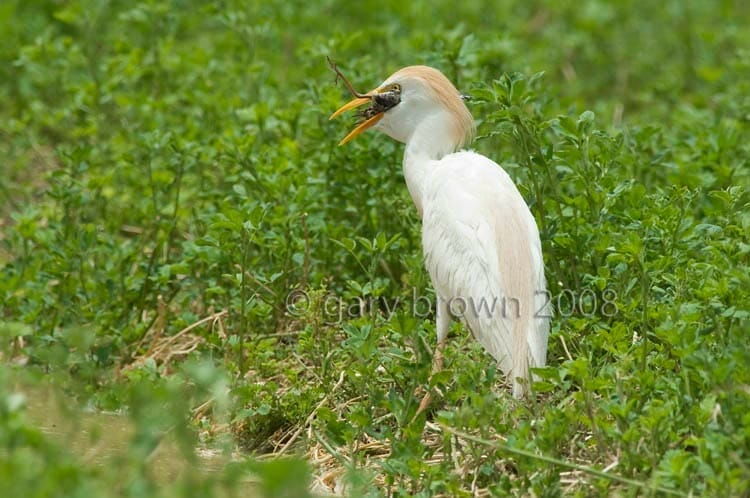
column 365, row 125
column 351, row 105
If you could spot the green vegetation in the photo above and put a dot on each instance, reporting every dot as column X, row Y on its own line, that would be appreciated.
column 169, row 177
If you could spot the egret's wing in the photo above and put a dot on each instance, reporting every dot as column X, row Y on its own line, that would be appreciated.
column 482, row 250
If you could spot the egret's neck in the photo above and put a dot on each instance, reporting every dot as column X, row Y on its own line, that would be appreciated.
column 432, row 139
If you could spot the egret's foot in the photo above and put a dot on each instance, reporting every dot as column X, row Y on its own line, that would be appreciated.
column 437, row 366
column 426, row 400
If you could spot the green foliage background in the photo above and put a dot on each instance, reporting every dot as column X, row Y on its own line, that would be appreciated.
column 179, row 152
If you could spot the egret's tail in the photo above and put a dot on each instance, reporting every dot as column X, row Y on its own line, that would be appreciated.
column 531, row 333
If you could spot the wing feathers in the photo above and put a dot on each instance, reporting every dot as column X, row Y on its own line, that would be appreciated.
column 483, row 252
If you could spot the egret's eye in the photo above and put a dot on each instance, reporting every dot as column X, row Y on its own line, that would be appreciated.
column 393, row 87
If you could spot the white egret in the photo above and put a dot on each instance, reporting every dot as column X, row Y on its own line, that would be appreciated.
column 481, row 243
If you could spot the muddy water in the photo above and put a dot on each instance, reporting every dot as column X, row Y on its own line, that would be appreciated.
column 101, row 438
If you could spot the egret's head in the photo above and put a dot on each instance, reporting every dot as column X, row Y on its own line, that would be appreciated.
column 410, row 97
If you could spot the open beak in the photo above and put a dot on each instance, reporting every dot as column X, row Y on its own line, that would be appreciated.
column 364, row 125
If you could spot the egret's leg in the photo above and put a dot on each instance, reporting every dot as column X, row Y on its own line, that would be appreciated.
column 442, row 326
column 443, row 321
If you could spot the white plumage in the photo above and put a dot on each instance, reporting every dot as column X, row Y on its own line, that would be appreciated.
column 480, row 240
column 482, row 251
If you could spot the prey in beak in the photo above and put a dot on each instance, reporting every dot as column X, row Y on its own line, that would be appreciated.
column 380, row 100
